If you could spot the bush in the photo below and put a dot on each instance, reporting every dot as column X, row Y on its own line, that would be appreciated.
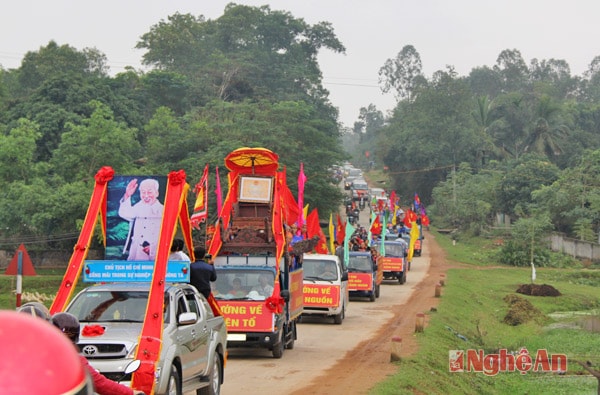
column 518, row 254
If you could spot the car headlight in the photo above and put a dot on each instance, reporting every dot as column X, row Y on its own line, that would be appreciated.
column 131, row 354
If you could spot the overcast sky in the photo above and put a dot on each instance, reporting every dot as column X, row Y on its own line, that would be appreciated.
column 461, row 33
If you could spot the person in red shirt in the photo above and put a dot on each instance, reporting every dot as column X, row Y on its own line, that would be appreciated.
column 69, row 325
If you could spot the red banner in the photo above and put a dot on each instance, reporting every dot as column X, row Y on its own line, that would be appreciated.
column 360, row 281
column 247, row 316
column 392, row 264
column 317, row 295
column 296, row 295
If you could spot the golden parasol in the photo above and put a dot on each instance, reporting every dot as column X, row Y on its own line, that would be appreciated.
column 260, row 160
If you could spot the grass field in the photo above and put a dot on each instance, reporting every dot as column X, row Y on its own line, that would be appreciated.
column 470, row 316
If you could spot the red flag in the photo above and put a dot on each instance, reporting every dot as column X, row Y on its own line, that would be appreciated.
column 201, row 205
column 409, row 217
column 340, row 231
column 376, row 226
column 314, row 229
column 301, row 182
column 218, row 191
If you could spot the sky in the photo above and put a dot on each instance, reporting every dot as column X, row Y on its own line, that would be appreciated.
column 461, row 33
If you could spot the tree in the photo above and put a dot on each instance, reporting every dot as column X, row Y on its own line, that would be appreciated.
column 512, row 69
column 548, row 129
column 404, row 74
column 17, row 152
column 248, row 52
column 98, row 141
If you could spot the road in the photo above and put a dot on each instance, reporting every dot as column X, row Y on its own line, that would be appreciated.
column 321, row 344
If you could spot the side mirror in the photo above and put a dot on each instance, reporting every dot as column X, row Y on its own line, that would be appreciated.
column 187, row 318
column 374, row 267
column 285, row 294
column 133, row 366
column 345, row 276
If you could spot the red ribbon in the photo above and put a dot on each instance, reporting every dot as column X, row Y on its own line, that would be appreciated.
column 92, row 330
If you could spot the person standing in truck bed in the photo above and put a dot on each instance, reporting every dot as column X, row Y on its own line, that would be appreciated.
column 202, row 273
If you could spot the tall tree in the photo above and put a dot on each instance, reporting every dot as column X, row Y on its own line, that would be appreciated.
column 403, row 74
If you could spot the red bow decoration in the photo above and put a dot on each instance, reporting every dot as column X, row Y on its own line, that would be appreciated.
column 177, row 177
column 104, row 175
column 275, row 304
column 92, row 330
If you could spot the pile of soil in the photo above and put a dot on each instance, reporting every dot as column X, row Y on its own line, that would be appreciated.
column 538, row 290
column 520, row 311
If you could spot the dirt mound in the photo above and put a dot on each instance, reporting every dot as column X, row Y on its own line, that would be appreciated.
column 520, row 311
column 538, row 290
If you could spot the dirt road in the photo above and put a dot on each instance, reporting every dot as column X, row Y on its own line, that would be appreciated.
column 348, row 358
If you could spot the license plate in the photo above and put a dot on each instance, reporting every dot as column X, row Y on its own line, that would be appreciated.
column 236, row 337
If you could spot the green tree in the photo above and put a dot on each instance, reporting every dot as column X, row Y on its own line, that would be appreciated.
column 17, row 152
column 403, row 74
column 98, row 141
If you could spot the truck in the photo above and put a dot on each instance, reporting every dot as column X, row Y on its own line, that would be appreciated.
column 143, row 309
column 259, row 275
column 364, row 275
column 325, row 287
column 394, row 260
column 193, row 340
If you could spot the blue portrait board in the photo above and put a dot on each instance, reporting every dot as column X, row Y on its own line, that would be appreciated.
column 133, row 271
column 134, row 209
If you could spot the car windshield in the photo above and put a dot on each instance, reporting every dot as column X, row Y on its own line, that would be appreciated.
column 391, row 249
column 243, row 284
column 319, row 269
column 111, row 306
column 360, row 263
column 359, row 185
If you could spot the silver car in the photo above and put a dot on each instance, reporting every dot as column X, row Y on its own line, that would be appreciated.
column 193, row 340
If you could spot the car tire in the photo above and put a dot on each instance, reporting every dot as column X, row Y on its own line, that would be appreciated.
column 338, row 318
column 290, row 345
column 377, row 290
column 174, row 384
column 402, row 279
column 279, row 347
column 372, row 296
column 214, row 386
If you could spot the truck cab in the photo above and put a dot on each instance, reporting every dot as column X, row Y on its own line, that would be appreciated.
column 244, row 290
column 394, row 261
column 364, row 275
column 325, row 288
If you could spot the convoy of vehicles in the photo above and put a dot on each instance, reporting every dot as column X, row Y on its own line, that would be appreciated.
column 326, row 290
column 259, row 277
column 265, row 283
column 364, row 275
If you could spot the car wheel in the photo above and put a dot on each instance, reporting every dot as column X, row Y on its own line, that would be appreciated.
column 214, row 386
column 377, row 291
column 278, row 348
column 338, row 318
column 292, row 333
column 173, row 386
column 372, row 296
column 402, row 278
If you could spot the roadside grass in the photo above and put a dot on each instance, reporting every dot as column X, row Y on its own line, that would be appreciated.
column 470, row 316
column 42, row 287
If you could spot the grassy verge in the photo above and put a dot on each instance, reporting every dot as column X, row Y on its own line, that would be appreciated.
column 470, row 316
column 41, row 287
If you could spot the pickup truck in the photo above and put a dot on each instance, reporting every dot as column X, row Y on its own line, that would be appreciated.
column 194, row 340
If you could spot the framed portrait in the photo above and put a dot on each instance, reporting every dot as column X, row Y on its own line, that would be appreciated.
column 255, row 189
column 133, row 224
